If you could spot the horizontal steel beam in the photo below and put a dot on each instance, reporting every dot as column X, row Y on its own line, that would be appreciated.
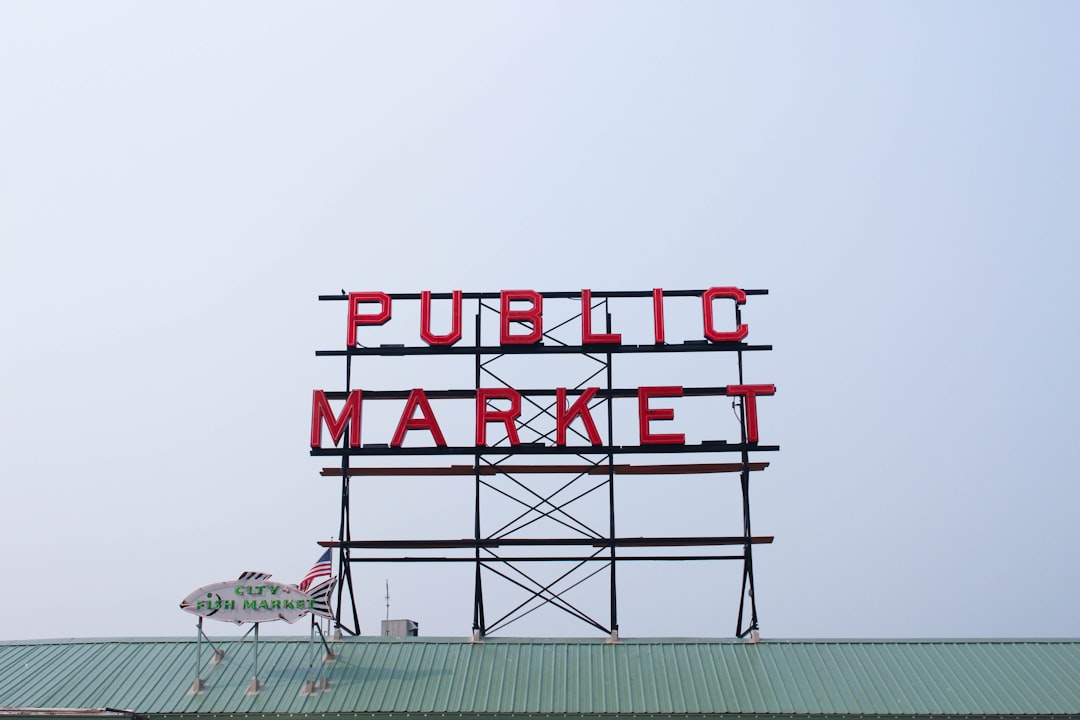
column 470, row 393
column 561, row 294
column 602, row 469
column 473, row 544
column 540, row 349
column 544, row 558
column 543, row 449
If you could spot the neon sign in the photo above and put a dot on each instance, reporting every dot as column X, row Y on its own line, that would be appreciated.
column 502, row 405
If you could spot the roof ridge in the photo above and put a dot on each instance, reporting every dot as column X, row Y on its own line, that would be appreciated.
column 554, row 641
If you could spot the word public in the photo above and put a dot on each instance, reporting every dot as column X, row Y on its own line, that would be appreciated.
column 533, row 316
column 502, row 405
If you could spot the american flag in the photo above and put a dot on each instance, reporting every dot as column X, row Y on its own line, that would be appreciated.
column 321, row 568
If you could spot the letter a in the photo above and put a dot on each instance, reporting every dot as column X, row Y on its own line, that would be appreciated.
column 417, row 399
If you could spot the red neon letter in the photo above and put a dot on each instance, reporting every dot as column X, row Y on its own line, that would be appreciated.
column 425, row 320
column 320, row 411
column 484, row 415
column 750, row 392
column 417, row 399
column 533, row 316
column 587, row 335
column 358, row 318
column 647, row 414
column 711, row 332
column 565, row 416
column 658, row 314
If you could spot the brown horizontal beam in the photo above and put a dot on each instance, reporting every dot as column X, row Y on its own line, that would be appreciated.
column 472, row 544
column 469, row 470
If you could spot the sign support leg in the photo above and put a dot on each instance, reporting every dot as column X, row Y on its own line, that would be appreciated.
column 254, row 686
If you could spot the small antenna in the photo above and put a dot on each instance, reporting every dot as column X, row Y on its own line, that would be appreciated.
column 387, row 598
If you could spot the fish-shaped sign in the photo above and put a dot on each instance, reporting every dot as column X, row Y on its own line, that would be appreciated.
column 253, row 597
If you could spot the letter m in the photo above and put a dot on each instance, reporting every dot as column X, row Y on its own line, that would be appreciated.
column 322, row 413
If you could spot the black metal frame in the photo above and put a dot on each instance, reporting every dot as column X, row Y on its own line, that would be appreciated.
column 489, row 469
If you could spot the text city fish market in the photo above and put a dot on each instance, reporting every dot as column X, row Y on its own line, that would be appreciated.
column 299, row 604
column 247, row 591
column 532, row 315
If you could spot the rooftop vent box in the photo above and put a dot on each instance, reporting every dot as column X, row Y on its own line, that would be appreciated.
column 400, row 628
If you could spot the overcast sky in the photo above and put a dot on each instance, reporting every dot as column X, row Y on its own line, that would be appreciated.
column 178, row 184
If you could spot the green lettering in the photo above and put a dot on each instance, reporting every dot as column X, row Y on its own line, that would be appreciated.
column 274, row 589
column 249, row 605
column 275, row 604
column 290, row 605
column 263, row 605
column 239, row 590
column 228, row 605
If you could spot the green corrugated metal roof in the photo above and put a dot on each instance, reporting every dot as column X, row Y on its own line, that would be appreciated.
column 557, row 677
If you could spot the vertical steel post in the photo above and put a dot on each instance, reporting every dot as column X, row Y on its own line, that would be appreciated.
column 198, row 653
column 747, row 588
column 611, row 481
column 345, row 529
column 479, row 626
column 255, row 678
